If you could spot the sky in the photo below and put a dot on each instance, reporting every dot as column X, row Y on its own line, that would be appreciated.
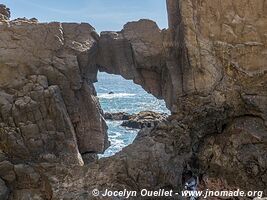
column 104, row 15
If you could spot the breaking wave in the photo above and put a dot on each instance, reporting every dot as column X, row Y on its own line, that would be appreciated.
column 115, row 95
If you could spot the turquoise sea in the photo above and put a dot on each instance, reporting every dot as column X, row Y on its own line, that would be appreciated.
column 127, row 97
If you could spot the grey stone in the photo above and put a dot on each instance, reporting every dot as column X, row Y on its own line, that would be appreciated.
column 4, row 191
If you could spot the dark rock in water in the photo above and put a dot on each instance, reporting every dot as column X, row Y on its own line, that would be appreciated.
column 138, row 121
column 111, row 93
column 144, row 119
column 117, row 116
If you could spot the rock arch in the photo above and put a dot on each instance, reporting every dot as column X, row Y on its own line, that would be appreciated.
column 211, row 74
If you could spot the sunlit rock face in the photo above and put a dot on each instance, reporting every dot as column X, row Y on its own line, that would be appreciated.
column 136, row 53
column 221, row 52
column 140, row 52
column 4, row 12
column 49, row 111
column 209, row 66
column 190, row 57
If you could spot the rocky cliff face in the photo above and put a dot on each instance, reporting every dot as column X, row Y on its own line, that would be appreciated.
column 49, row 112
column 136, row 53
column 209, row 66
column 225, row 75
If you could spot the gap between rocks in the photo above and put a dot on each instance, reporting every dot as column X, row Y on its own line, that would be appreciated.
column 127, row 108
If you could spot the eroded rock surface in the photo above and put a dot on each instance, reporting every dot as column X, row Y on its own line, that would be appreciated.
column 4, row 12
column 144, row 119
column 209, row 66
column 138, row 121
column 3, row 190
column 117, row 116
column 49, row 112
column 137, row 53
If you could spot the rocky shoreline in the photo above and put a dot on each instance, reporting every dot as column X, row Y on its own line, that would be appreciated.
column 209, row 66
column 144, row 119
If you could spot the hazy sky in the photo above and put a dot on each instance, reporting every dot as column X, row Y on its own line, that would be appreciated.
column 102, row 14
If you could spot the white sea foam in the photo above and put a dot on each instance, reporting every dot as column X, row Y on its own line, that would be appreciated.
column 115, row 95
column 127, row 97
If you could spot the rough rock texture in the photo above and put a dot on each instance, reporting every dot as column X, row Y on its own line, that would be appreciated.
column 225, row 44
column 117, row 116
column 209, row 66
column 3, row 190
column 240, row 148
column 140, row 120
column 152, row 161
column 144, row 119
column 4, row 12
column 219, row 40
column 49, row 111
column 136, row 53
column 213, row 78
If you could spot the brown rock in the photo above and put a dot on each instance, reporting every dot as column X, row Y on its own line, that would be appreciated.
column 4, row 12
column 209, row 67
column 52, row 103
column 239, row 154
column 144, row 119
column 7, row 171
column 136, row 53
column 3, row 190
column 117, row 116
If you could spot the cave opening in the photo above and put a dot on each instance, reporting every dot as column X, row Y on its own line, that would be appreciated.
column 127, row 108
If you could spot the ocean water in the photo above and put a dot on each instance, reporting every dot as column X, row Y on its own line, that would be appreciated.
column 127, row 97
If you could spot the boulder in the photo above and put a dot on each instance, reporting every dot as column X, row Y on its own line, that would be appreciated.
column 144, row 119
column 117, row 116
column 138, row 121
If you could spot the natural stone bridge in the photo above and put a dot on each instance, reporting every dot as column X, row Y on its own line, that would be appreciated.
column 209, row 66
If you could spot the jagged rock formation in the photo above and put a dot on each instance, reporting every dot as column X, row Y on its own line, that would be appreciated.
column 49, row 112
column 136, row 53
column 4, row 12
column 48, row 102
column 117, row 116
column 225, row 44
column 209, row 66
column 144, row 119
column 139, row 120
